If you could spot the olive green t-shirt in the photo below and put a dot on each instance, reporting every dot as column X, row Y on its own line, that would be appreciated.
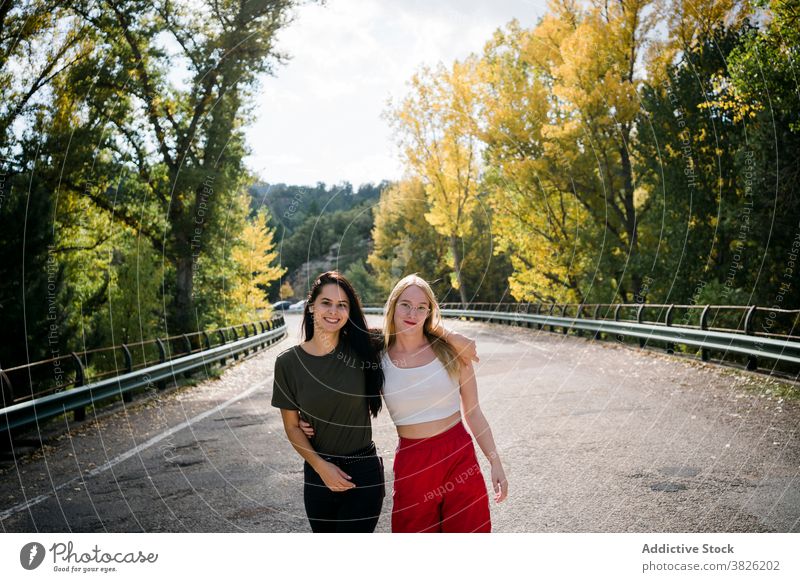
column 329, row 392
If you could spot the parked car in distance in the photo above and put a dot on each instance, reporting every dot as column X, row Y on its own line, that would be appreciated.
column 298, row 306
column 281, row 305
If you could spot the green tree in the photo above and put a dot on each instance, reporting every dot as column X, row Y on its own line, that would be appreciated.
column 134, row 310
column 762, row 78
column 42, row 38
column 688, row 149
column 364, row 283
column 184, row 141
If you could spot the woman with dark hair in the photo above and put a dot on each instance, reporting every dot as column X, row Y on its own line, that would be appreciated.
column 333, row 380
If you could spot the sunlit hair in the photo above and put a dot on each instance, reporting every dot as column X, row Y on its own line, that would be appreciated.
column 354, row 333
column 446, row 354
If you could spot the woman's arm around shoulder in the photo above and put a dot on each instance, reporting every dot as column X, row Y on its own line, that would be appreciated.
column 465, row 347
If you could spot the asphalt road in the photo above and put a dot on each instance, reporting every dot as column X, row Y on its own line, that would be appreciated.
column 596, row 437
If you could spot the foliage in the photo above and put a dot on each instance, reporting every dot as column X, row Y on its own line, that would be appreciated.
column 364, row 283
column 233, row 277
column 435, row 125
column 127, row 125
column 286, row 291
column 404, row 242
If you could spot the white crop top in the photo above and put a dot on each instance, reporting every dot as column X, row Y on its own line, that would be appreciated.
column 420, row 394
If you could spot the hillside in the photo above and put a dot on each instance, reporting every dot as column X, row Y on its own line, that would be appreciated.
column 318, row 228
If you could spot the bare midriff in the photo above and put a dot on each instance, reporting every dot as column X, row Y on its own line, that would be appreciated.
column 425, row 430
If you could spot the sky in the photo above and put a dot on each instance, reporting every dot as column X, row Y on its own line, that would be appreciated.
column 318, row 119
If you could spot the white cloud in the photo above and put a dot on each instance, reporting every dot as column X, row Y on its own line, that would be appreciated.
column 320, row 119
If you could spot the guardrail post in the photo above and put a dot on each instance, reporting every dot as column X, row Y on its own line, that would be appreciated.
column 207, row 340
column 127, row 396
column 704, row 327
column 538, row 311
column 6, row 393
column 565, row 327
column 221, row 335
column 79, row 414
column 598, row 335
column 668, row 322
column 550, row 314
column 639, row 320
column 752, row 361
column 235, row 338
column 579, row 332
column 620, row 337
column 246, row 335
column 269, row 326
column 162, row 357
column 188, row 342
column 6, row 390
column 255, row 332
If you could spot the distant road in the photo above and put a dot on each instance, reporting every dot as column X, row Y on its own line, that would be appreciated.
column 596, row 437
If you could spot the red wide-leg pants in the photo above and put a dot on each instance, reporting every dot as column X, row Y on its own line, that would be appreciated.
column 438, row 485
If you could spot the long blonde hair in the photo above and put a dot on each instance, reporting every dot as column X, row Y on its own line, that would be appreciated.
column 444, row 351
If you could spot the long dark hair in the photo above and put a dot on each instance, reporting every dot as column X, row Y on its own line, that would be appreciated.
column 354, row 332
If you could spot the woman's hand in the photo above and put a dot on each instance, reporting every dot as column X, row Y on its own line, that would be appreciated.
column 307, row 429
column 499, row 481
column 336, row 479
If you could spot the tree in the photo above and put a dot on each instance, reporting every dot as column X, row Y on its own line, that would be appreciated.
column 404, row 242
column 286, row 291
column 364, row 283
column 538, row 222
column 565, row 170
column 134, row 308
column 104, row 143
column 236, row 293
column 43, row 38
column 762, row 92
column 688, row 150
column 185, row 142
column 435, row 125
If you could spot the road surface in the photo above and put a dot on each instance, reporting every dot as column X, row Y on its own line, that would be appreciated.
column 595, row 436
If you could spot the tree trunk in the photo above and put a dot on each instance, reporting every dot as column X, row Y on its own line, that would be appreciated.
column 184, row 288
column 454, row 247
column 631, row 219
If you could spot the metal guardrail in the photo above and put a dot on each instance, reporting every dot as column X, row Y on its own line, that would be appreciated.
column 33, row 411
column 768, row 346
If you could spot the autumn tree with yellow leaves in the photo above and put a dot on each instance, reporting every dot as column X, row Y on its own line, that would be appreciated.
column 436, row 129
column 250, row 268
column 561, row 108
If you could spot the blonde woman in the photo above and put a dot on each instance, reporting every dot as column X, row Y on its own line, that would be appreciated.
column 438, row 485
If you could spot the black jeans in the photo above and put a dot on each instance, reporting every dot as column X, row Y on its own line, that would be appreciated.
column 356, row 510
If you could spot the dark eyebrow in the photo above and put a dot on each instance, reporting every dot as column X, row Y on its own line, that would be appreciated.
column 323, row 298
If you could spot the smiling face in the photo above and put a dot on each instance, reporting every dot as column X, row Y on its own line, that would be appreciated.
column 330, row 309
column 411, row 310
